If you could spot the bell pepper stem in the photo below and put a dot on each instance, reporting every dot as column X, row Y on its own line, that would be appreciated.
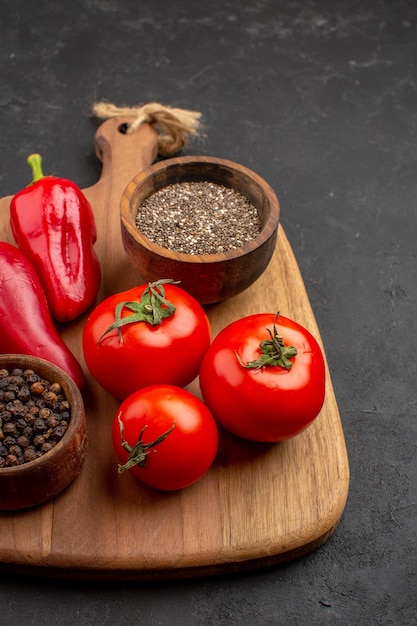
column 35, row 163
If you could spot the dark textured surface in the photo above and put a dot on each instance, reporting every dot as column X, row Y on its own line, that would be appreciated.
column 320, row 98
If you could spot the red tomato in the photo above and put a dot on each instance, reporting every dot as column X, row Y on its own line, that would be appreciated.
column 263, row 402
column 136, row 338
column 166, row 435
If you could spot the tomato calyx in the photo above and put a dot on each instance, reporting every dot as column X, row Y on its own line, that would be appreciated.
column 138, row 452
column 152, row 308
column 273, row 352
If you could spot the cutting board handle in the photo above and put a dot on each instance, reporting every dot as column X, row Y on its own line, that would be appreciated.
column 124, row 155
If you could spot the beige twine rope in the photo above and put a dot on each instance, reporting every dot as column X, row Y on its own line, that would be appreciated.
column 176, row 124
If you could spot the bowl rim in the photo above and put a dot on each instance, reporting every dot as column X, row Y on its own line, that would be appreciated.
column 268, row 230
column 77, row 409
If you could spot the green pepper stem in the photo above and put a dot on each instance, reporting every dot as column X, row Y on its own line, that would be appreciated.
column 35, row 163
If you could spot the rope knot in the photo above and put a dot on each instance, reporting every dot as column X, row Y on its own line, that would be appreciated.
column 174, row 124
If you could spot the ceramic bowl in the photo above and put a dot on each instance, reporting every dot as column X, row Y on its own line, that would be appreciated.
column 37, row 481
column 209, row 278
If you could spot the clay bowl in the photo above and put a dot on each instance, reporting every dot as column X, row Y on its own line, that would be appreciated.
column 40, row 480
column 213, row 277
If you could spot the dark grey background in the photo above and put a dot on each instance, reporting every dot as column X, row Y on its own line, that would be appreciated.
column 320, row 98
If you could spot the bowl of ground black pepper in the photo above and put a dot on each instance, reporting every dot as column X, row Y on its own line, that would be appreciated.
column 207, row 222
column 43, row 436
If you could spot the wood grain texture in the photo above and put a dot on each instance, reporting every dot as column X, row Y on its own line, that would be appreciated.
column 258, row 505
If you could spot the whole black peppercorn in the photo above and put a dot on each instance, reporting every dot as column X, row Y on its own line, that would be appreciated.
column 28, row 432
column 39, row 426
column 21, row 423
column 38, row 441
column 59, row 431
column 37, row 388
column 12, row 460
column 29, row 455
column 16, row 450
column 10, row 429
column 50, row 398
column 23, row 394
column 56, row 388
column 17, row 408
column 52, row 421
column 23, row 441
column 31, row 377
column 5, row 416
column 9, row 440
column 30, row 419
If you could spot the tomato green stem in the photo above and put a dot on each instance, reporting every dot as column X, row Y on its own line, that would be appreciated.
column 35, row 163
column 152, row 308
column 138, row 452
column 273, row 352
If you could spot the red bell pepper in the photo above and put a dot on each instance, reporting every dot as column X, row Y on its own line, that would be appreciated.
column 25, row 321
column 53, row 225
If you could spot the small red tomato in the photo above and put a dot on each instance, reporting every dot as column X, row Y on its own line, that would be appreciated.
column 165, row 436
column 151, row 334
column 263, row 378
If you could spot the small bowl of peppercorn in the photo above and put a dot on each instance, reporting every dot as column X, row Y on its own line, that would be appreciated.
column 43, row 438
column 209, row 223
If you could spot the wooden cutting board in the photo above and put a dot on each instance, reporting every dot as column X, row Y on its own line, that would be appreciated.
column 257, row 506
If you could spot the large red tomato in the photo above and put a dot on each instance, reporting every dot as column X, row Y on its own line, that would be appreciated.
column 165, row 436
column 263, row 378
column 151, row 334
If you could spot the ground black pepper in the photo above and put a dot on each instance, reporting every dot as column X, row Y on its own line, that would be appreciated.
column 34, row 416
column 198, row 218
